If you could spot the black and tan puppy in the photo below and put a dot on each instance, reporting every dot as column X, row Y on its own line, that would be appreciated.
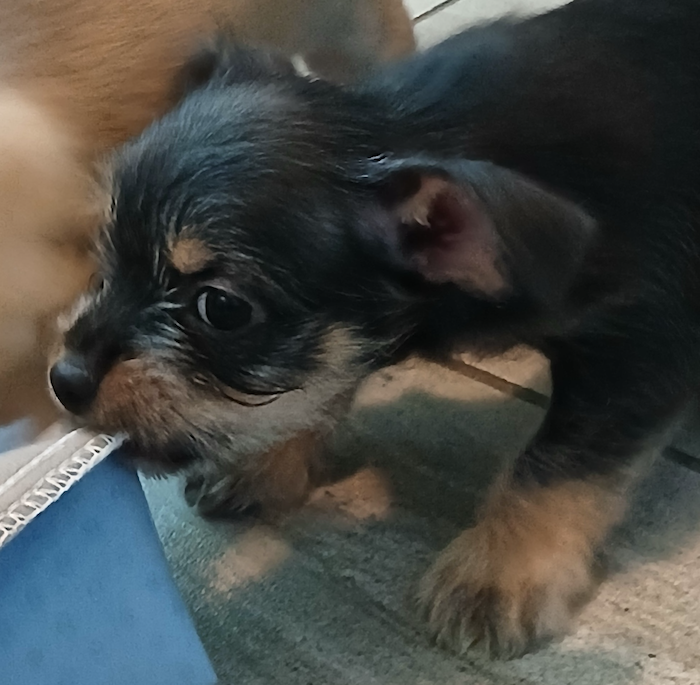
column 274, row 240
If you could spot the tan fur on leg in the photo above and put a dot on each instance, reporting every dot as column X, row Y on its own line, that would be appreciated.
column 520, row 575
column 276, row 482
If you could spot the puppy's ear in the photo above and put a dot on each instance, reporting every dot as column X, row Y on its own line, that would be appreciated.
column 225, row 62
column 482, row 227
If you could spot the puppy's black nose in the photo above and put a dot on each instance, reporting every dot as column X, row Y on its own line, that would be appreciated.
column 74, row 385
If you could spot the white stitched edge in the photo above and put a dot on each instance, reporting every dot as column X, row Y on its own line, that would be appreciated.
column 54, row 484
column 27, row 468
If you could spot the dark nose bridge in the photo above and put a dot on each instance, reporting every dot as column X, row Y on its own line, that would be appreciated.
column 108, row 329
column 101, row 355
column 98, row 337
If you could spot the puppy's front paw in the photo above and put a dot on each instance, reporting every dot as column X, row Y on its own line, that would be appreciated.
column 268, row 485
column 518, row 578
column 221, row 495
column 506, row 601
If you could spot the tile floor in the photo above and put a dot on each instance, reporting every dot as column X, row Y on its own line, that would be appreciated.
column 323, row 600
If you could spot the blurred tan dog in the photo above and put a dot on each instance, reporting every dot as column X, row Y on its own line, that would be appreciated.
column 79, row 77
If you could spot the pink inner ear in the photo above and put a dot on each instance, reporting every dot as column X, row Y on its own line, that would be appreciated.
column 449, row 237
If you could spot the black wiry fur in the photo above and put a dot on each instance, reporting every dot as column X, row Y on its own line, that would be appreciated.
column 576, row 133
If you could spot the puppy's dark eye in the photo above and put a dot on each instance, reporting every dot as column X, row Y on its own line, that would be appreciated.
column 221, row 310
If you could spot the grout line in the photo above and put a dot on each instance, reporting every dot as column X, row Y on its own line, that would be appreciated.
column 540, row 400
column 682, row 458
column 434, row 10
column 497, row 383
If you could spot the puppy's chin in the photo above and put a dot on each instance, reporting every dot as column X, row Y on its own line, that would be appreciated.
column 165, row 460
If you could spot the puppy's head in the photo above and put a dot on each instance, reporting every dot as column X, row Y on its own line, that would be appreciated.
column 233, row 311
column 259, row 259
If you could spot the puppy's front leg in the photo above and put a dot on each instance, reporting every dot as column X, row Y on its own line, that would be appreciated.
column 518, row 577
column 271, row 484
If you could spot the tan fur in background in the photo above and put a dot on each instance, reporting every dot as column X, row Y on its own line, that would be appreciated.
column 81, row 76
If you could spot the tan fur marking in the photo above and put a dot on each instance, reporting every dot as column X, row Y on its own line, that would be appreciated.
column 521, row 574
column 277, row 481
column 340, row 349
column 189, row 255
column 281, row 480
column 284, row 476
column 140, row 395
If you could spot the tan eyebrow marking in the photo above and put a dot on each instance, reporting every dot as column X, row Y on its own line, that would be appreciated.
column 189, row 255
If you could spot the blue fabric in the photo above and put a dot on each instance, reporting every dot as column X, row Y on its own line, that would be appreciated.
column 87, row 598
